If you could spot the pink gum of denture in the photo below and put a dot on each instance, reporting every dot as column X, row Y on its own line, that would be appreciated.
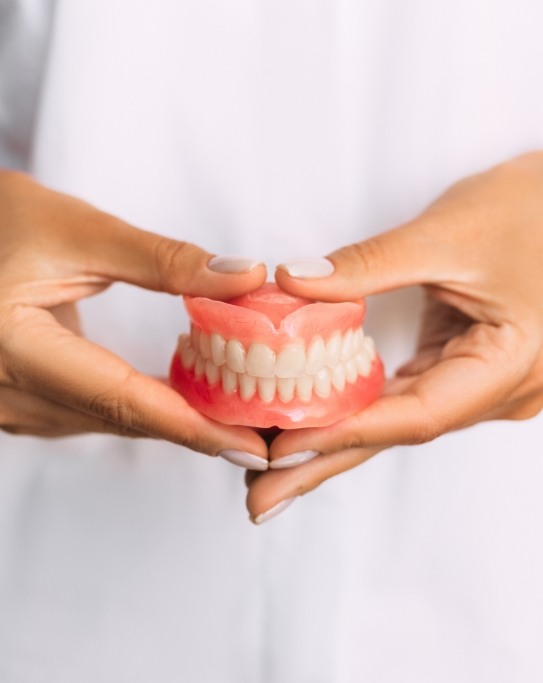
column 269, row 359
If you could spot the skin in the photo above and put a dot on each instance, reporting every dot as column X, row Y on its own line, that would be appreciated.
column 478, row 253
column 55, row 250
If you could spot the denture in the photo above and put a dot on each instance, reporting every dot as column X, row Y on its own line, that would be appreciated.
column 269, row 359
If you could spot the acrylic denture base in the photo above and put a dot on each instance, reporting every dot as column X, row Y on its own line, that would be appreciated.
column 270, row 359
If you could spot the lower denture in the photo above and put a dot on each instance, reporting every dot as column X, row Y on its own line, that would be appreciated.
column 269, row 359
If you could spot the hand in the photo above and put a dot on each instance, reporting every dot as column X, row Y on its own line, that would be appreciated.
column 55, row 250
column 478, row 253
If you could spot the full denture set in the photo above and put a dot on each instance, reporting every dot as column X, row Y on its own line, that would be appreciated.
column 270, row 359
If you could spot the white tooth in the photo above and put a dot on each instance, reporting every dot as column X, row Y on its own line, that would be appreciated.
column 333, row 349
column 347, row 346
column 338, row 377
column 363, row 362
column 285, row 388
column 218, row 349
column 316, row 356
column 235, row 356
column 188, row 356
column 290, row 361
column 266, row 388
column 213, row 373
column 229, row 380
column 194, row 337
column 199, row 366
column 247, row 386
column 351, row 371
column 182, row 342
column 369, row 344
column 205, row 345
column 323, row 383
column 304, row 387
column 260, row 360
column 357, row 341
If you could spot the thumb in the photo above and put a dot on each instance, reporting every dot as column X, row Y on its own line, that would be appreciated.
column 411, row 254
column 159, row 263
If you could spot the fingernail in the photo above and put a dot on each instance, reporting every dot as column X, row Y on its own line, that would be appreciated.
column 308, row 268
column 232, row 264
column 293, row 459
column 247, row 460
column 272, row 512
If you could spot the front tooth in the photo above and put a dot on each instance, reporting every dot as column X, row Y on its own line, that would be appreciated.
column 205, row 345
column 266, row 388
column 235, row 356
column 304, row 387
column 333, row 349
column 338, row 377
column 290, row 361
column 363, row 362
column 260, row 360
column 218, row 349
column 199, row 366
column 351, row 371
column 323, row 383
column 285, row 388
column 316, row 356
column 213, row 374
column 195, row 337
column 229, row 380
column 188, row 356
column 347, row 346
column 247, row 386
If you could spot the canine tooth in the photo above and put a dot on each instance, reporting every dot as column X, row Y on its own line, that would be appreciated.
column 351, row 371
column 347, row 346
column 229, row 380
column 290, row 361
column 260, row 360
column 247, row 386
column 363, row 362
column 195, row 337
column 323, row 383
column 188, row 356
column 357, row 341
column 285, row 388
column 333, row 349
column 218, row 349
column 199, row 366
column 304, row 387
column 213, row 374
column 205, row 345
column 316, row 356
column 338, row 377
column 266, row 388
column 235, row 356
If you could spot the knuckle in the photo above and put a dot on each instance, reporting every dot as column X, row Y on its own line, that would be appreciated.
column 369, row 254
column 169, row 257
column 425, row 431
column 116, row 405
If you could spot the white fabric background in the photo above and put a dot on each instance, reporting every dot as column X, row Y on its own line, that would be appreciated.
column 275, row 129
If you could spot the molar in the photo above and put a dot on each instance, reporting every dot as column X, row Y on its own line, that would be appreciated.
column 188, row 355
column 351, row 371
column 199, row 366
column 205, row 345
column 260, row 361
column 235, row 356
column 290, row 361
column 338, row 377
column 195, row 337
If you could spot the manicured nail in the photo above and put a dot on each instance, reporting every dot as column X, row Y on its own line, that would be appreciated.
column 293, row 460
column 247, row 460
column 232, row 264
column 272, row 512
column 308, row 268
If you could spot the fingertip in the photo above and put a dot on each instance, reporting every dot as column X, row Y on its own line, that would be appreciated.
column 227, row 277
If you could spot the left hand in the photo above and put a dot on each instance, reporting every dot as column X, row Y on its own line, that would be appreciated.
column 478, row 252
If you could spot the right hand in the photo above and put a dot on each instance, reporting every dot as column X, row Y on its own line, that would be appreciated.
column 54, row 250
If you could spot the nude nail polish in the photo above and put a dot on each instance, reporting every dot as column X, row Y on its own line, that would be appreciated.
column 272, row 512
column 242, row 459
column 309, row 268
column 232, row 264
column 293, row 460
